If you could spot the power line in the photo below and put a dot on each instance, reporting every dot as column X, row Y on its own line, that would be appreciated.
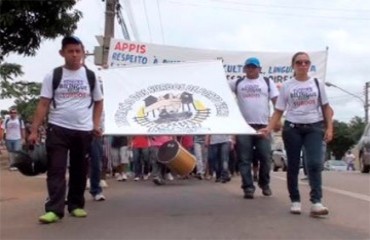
column 271, row 13
column 147, row 21
column 160, row 21
column 121, row 21
column 293, row 7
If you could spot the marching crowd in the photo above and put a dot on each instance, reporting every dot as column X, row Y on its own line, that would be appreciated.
column 72, row 101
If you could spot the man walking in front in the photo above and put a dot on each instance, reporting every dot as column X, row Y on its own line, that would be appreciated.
column 74, row 107
column 254, row 93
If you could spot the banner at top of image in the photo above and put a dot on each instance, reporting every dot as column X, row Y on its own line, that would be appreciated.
column 275, row 65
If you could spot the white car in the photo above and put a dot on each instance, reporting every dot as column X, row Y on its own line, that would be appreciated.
column 364, row 150
column 335, row 165
column 279, row 160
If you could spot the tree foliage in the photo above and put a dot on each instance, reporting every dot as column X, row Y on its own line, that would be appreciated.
column 24, row 24
column 8, row 72
column 346, row 135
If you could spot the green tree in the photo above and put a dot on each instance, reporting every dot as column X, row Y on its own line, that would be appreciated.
column 357, row 126
column 27, row 95
column 8, row 72
column 342, row 140
column 24, row 24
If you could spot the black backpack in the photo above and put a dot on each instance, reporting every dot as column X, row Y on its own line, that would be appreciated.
column 267, row 80
column 57, row 78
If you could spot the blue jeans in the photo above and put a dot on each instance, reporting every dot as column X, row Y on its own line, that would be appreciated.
column 310, row 138
column 96, row 158
column 13, row 146
column 323, row 157
column 200, row 153
column 245, row 145
column 219, row 153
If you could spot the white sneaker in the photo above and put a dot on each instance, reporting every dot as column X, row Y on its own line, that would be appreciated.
column 124, row 176
column 121, row 177
column 136, row 179
column 103, row 183
column 317, row 209
column 296, row 208
column 87, row 184
column 146, row 177
column 99, row 197
column 169, row 177
column 13, row 169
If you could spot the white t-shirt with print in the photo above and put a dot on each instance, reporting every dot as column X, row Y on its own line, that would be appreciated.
column 300, row 100
column 72, row 99
column 254, row 98
column 12, row 128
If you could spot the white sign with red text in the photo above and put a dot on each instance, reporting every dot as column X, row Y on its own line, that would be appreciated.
column 275, row 65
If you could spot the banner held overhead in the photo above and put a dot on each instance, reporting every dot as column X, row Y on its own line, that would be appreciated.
column 169, row 99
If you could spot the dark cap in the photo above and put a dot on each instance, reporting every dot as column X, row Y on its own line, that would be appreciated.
column 70, row 40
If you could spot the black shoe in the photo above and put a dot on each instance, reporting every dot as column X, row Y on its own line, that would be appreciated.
column 225, row 180
column 158, row 181
column 248, row 195
column 255, row 178
column 218, row 180
column 199, row 176
column 266, row 191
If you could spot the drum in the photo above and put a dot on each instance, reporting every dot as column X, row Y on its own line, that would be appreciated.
column 176, row 158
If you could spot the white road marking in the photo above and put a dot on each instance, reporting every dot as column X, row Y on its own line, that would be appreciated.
column 335, row 190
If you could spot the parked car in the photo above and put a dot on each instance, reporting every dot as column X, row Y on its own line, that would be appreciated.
column 279, row 160
column 364, row 150
column 335, row 165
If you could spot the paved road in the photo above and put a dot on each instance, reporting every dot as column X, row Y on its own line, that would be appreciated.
column 189, row 209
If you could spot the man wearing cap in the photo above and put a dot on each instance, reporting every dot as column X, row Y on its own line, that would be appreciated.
column 254, row 93
column 72, row 121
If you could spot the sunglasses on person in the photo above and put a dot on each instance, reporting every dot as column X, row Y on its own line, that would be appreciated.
column 13, row 112
column 301, row 62
column 250, row 66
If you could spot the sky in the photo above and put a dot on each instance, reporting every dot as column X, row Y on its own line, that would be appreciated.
column 238, row 25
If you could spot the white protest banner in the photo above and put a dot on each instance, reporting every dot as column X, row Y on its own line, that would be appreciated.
column 171, row 99
column 275, row 65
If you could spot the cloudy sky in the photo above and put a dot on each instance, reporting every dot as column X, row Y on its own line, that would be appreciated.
column 239, row 25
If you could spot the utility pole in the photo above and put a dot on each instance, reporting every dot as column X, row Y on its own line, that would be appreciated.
column 110, row 7
column 366, row 101
column 101, row 52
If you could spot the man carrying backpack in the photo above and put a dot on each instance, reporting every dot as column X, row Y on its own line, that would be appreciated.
column 15, row 135
column 74, row 107
column 254, row 93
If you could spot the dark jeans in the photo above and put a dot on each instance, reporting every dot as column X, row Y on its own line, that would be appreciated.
column 141, row 161
column 309, row 137
column 219, row 155
column 96, row 160
column 233, row 162
column 59, row 143
column 158, row 169
column 246, row 146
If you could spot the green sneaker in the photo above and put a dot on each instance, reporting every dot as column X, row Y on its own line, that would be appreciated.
column 49, row 217
column 79, row 212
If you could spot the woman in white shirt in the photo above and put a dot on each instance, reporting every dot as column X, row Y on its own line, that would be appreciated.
column 308, row 122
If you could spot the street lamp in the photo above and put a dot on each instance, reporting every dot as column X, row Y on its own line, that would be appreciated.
column 329, row 84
